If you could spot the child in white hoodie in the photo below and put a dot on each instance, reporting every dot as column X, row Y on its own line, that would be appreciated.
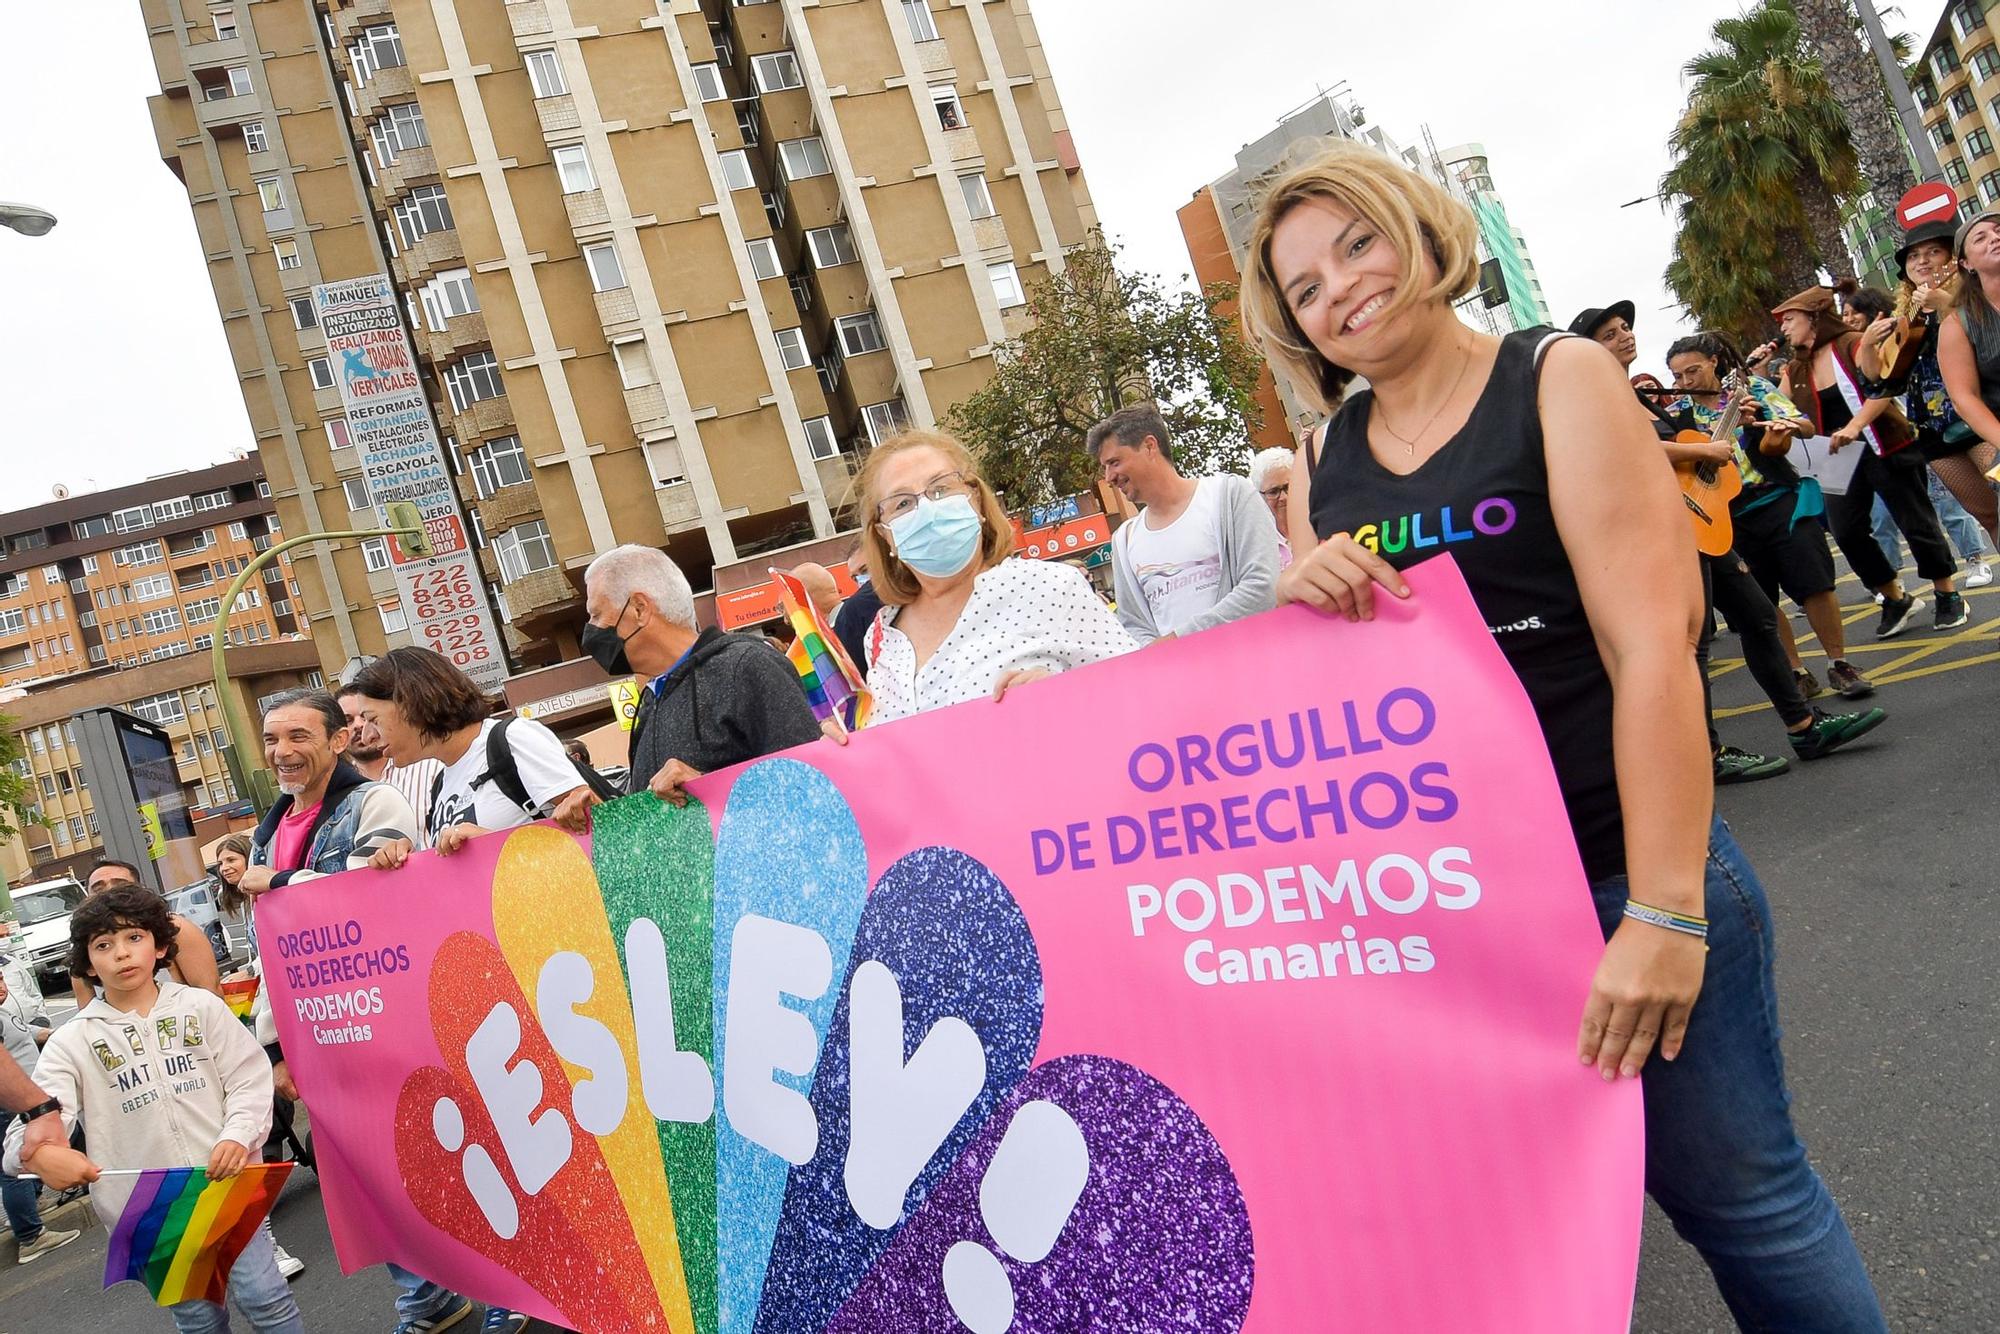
column 162, row 1075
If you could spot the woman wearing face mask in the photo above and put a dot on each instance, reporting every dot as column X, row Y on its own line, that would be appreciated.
column 960, row 620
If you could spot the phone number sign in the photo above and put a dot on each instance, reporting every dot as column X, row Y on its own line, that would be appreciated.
column 389, row 423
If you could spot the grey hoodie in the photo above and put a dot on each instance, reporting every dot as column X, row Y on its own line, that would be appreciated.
column 1246, row 540
column 155, row 1090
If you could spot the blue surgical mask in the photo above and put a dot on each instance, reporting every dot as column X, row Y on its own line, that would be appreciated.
column 939, row 537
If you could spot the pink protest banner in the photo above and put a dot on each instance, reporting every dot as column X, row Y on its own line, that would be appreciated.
column 1232, row 984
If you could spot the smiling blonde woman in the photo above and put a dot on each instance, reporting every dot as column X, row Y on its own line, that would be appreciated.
column 1522, row 458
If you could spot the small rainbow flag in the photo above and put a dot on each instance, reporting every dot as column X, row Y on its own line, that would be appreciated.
column 833, row 687
column 241, row 997
column 180, row 1232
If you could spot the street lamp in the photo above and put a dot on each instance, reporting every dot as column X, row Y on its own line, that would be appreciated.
column 27, row 219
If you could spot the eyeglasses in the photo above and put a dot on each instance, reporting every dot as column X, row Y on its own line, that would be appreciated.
column 1276, row 492
column 895, row 505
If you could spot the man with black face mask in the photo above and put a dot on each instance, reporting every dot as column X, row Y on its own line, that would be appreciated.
column 710, row 699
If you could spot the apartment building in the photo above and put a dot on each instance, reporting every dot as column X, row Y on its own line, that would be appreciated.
column 114, row 598
column 1216, row 223
column 670, row 267
column 178, row 694
column 1957, row 86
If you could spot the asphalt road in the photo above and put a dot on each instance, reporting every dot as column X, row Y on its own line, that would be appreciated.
column 1879, row 866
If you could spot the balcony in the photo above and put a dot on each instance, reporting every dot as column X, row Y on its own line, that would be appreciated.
column 214, row 55
column 227, row 111
column 540, row 592
column 586, row 208
column 961, row 144
column 528, row 18
column 394, row 84
column 508, row 506
column 678, row 508
column 557, row 113
column 647, row 405
column 432, row 251
column 989, row 234
column 934, row 57
column 461, row 333
column 489, row 416
column 413, row 166
column 616, row 308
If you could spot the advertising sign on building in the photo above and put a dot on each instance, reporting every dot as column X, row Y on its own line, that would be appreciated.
column 389, row 424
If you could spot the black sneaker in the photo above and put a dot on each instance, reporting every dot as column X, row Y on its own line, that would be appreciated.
column 1951, row 611
column 1842, row 677
column 1809, row 685
column 1741, row 766
column 1828, row 732
column 1896, row 615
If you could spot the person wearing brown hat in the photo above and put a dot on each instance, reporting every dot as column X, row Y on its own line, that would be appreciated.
column 1831, row 390
column 1968, row 347
column 1959, row 458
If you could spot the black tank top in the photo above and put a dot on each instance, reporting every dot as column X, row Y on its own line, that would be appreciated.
column 1483, row 498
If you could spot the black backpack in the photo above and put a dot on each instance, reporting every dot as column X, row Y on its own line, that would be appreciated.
column 505, row 774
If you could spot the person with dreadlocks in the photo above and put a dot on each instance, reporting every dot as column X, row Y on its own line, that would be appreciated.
column 1699, row 362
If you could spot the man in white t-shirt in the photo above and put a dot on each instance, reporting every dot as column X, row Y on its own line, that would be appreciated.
column 1201, row 551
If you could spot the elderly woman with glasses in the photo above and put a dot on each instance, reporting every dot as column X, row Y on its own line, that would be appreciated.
column 1271, row 474
column 961, row 619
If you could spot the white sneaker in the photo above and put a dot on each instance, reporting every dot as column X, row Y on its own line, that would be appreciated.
column 50, row 1240
column 1982, row 575
column 289, row 1265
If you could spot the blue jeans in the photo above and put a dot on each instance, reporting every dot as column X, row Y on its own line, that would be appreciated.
column 24, row 1215
column 417, row 1298
column 1964, row 530
column 258, row 1290
column 1722, row 1158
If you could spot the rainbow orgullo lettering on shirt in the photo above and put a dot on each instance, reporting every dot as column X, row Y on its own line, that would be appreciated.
column 1417, row 532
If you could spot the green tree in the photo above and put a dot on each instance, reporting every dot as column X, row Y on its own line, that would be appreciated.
column 1104, row 338
column 1762, row 157
column 1832, row 29
column 17, row 795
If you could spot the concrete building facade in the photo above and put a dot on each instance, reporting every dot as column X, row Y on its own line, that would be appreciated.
column 671, row 266
column 1216, row 224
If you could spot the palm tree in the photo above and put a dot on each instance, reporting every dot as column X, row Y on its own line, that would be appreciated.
column 1829, row 27
column 1762, row 158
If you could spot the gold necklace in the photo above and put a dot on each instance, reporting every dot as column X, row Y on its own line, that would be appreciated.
column 1410, row 442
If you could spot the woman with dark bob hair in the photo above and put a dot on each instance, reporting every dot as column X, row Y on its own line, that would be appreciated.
column 1355, row 266
column 427, row 709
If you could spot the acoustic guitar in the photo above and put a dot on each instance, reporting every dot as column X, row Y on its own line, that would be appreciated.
column 1707, row 488
column 1897, row 354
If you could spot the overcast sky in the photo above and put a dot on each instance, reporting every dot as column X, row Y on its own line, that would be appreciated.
column 113, row 365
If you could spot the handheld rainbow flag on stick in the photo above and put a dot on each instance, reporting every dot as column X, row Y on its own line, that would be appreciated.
column 241, row 996
column 180, row 1232
column 833, row 687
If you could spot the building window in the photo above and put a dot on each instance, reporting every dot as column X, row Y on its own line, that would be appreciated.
column 544, row 72
column 1962, row 103
column 286, row 253
column 885, row 419
column 776, row 72
column 499, row 463
column 1979, row 144
column 792, row 351
column 748, row 125
column 764, row 257
column 831, row 246
column 1944, row 62
column 1968, row 18
column 423, row 211
column 153, row 586
column 254, row 140
column 524, row 549
column 159, row 622
column 321, row 371
column 820, row 441
column 573, row 166
column 1985, row 63
column 922, row 27
column 336, row 433
column 447, row 296
column 225, row 23
column 401, row 128
column 736, row 173
column 139, row 553
column 159, row 709
column 950, row 114
column 1006, row 281
column 235, row 82
column 271, row 194
column 357, row 493
column 774, row 209
column 1989, row 188
column 202, row 611
column 978, row 199
column 1926, row 93
column 303, row 315
column 606, row 274
column 635, row 368
column 708, row 83
column 379, row 47
column 859, row 334
column 393, row 619
column 805, row 157
column 472, row 379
